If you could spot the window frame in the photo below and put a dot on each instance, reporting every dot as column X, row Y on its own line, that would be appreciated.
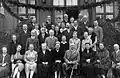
column 106, row 13
column 27, row 14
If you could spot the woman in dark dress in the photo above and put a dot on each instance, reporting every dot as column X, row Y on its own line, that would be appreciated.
column 64, row 46
column 57, row 33
column 57, row 58
column 87, row 59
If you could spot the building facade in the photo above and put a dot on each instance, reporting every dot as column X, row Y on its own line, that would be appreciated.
column 107, row 11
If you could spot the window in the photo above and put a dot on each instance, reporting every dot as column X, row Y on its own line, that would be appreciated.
column 107, row 10
column 25, row 12
column 63, row 3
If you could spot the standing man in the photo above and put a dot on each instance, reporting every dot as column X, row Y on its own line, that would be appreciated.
column 23, row 37
column 99, row 32
column 78, row 30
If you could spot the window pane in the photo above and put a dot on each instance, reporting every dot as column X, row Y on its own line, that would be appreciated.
column 31, row 1
column 71, row 2
column 109, row 16
column 100, row 9
column 98, row 0
column 109, row 8
column 68, row 2
column 58, row 2
column 22, row 10
column 22, row 1
column 31, row 11
column 74, row 2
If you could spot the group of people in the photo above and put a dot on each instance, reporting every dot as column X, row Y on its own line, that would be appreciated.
column 62, row 48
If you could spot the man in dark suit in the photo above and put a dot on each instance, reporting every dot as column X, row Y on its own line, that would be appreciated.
column 42, row 36
column 87, row 61
column 12, row 45
column 68, row 32
column 78, row 30
column 44, row 62
column 24, row 34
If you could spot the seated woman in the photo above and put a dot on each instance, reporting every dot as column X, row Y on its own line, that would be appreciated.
column 76, row 41
column 17, row 63
column 86, row 39
column 87, row 60
column 102, row 61
column 4, row 63
column 30, row 58
column 57, row 58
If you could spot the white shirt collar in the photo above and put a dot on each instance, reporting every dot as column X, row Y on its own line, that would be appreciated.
column 64, row 42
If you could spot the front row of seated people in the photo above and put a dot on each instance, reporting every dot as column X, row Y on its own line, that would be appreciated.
column 92, row 64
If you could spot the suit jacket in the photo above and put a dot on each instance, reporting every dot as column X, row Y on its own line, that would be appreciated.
column 103, row 56
column 85, row 56
column 23, row 38
column 82, row 25
column 6, row 60
column 44, row 57
column 57, row 55
column 12, row 47
column 72, row 56
column 115, row 57
column 79, row 32
column 41, row 39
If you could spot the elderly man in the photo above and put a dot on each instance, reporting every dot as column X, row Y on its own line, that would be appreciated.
column 23, row 37
column 78, row 30
column 116, row 61
column 71, row 57
column 51, row 40
column 99, row 32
